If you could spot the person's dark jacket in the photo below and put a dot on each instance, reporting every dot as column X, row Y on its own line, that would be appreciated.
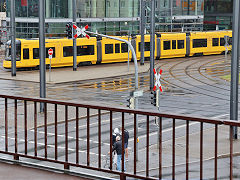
column 126, row 136
column 118, row 147
column 114, row 138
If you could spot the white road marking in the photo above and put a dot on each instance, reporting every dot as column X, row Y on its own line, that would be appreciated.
column 107, row 144
column 81, row 139
column 53, row 146
column 178, row 127
column 164, row 131
column 220, row 116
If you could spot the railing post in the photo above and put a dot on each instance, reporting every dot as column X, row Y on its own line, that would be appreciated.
column 111, row 140
column 99, row 138
column 77, row 135
column 88, row 137
column 216, row 153
column 122, row 177
column 56, row 132
column 35, row 128
column 66, row 134
column 123, row 150
column 16, row 134
column 160, row 147
column 45, row 128
column 16, row 157
column 6, row 125
column 25, row 126
column 173, row 149
column 66, row 166
column 231, row 152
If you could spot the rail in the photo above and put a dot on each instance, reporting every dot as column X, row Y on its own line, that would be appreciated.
column 78, row 135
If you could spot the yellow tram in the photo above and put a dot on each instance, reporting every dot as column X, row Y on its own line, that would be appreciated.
column 96, row 51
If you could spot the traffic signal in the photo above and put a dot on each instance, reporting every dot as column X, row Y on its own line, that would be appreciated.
column 131, row 102
column 69, row 30
column 154, row 98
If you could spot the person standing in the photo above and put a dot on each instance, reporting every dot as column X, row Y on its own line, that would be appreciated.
column 126, row 137
column 118, row 148
column 114, row 135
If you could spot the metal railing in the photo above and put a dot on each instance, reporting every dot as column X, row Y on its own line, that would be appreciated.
column 46, row 136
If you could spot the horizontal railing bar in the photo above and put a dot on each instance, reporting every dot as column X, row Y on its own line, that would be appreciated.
column 231, row 123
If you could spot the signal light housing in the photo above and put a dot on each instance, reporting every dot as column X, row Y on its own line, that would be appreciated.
column 154, row 98
column 69, row 30
column 131, row 103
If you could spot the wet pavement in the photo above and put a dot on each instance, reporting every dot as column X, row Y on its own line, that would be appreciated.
column 109, row 89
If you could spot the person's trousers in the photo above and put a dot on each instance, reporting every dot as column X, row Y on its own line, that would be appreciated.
column 119, row 164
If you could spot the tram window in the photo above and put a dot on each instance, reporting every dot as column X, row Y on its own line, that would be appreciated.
column 197, row 43
column 222, row 41
column 85, row 50
column 25, row 53
column 67, row 51
column 146, row 46
column 35, row 53
column 124, row 48
column 18, row 52
column 117, row 48
column 53, row 48
column 139, row 47
column 166, row 45
column 108, row 48
column 180, row 44
column 230, row 41
column 215, row 42
column 174, row 44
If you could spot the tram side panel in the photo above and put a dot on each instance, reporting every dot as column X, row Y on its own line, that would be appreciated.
column 26, row 55
column 207, row 43
column 86, row 52
column 218, row 41
column 19, row 54
column 147, row 39
column 34, row 52
column 114, row 51
column 55, row 45
column 173, row 45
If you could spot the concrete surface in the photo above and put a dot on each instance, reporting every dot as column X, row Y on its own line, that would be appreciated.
column 62, row 75
column 17, row 172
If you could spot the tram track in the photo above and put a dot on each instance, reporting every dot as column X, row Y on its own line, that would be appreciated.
column 188, row 73
column 210, row 76
column 124, row 84
column 115, row 90
column 172, row 72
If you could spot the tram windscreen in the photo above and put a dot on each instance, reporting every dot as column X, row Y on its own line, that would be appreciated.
column 8, row 52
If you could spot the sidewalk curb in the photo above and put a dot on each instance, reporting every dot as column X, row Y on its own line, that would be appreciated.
column 84, row 79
